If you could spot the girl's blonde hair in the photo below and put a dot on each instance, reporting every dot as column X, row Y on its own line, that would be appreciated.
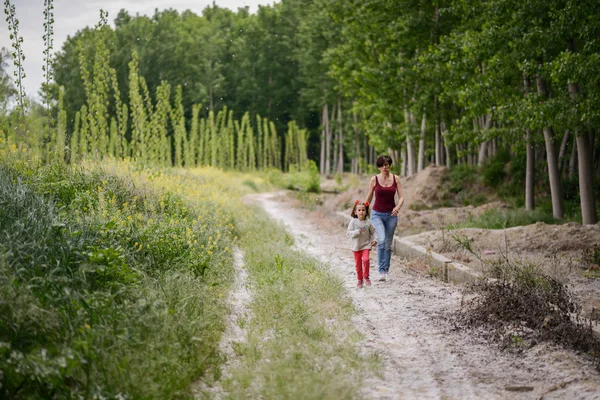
column 359, row 203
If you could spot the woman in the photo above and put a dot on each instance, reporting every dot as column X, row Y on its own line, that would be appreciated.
column 384, row 215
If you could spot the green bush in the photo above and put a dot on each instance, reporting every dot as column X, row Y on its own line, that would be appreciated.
column 87, row 311
column 308, row 180
column 313, row 183
column 461, row 176
column 493, row 173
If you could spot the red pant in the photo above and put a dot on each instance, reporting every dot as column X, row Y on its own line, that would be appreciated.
column 361, row 262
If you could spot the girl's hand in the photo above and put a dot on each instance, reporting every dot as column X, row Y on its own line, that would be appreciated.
column 395, row 211
column 374, row 243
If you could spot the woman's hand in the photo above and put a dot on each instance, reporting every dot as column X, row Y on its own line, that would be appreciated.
column 395, row 211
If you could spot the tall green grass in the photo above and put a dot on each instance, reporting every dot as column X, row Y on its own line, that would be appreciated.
column 109, row 286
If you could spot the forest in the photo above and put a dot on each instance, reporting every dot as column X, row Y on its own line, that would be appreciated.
column 508, row 84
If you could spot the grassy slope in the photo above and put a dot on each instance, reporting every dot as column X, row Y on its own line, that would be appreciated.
column 113, row 282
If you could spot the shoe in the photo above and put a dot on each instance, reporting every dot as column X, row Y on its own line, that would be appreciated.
column 388, row 277
column 382, row 276
column 359, row 284
column 367, row 282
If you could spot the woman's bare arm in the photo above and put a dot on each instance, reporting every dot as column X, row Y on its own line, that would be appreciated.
column 371, row 190
column 400, row 196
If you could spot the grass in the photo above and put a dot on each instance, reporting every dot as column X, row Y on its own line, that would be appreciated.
column 300, row 342
column 112, row 279
column 505, row 218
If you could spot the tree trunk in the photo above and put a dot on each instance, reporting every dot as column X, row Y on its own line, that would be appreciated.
column 586, row 179
column 573, row 161
column 482, row 153
column 530, row 157
column 555, row 187
column 448, row 159
column 341, row 138
column 485, row 124
column 438, row 144
column 551, row 158
column 403, row 156
column 355, row 160
column 410, row 148
column 334, row 140
column 327, row 141
column 323, row 140
column 366, row 149
column 421, row 159
column 584, row 155
column 529, row 173
column 438, row 139
column 562, row 151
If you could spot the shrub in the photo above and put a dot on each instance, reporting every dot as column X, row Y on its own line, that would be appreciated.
column 314, row 177
column 110, row 301
column 461, row 176
column 493, row 173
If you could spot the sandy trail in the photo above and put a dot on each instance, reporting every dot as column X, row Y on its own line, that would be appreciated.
column 405, row 322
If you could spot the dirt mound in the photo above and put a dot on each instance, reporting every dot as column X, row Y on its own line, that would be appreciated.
column 423, row 188
column 565, row 241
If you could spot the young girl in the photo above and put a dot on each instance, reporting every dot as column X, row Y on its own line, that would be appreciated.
column 363, row 237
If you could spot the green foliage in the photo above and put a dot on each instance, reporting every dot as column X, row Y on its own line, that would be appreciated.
column 275, row 177
column 493, row 173
column 314, row 177
column 507, row 218
column 88, row 306
column 460, row 177
column 308, row 180
column 338, row 179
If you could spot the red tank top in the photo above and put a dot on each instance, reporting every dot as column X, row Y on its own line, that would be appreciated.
column 384, row 196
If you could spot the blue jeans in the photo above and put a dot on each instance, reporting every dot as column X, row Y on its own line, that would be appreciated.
column 385, row 225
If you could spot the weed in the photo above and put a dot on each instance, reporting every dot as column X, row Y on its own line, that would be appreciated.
column 418, row 206
column 433, row 272
column 591, row 256
column 251, row 184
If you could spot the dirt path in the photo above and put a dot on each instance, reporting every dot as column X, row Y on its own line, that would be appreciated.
column 405, row 322
column 238, row 301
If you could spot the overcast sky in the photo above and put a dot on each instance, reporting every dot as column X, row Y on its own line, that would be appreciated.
column 73, row 15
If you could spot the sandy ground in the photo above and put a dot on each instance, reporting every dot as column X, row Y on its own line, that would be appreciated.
column 406, row 321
